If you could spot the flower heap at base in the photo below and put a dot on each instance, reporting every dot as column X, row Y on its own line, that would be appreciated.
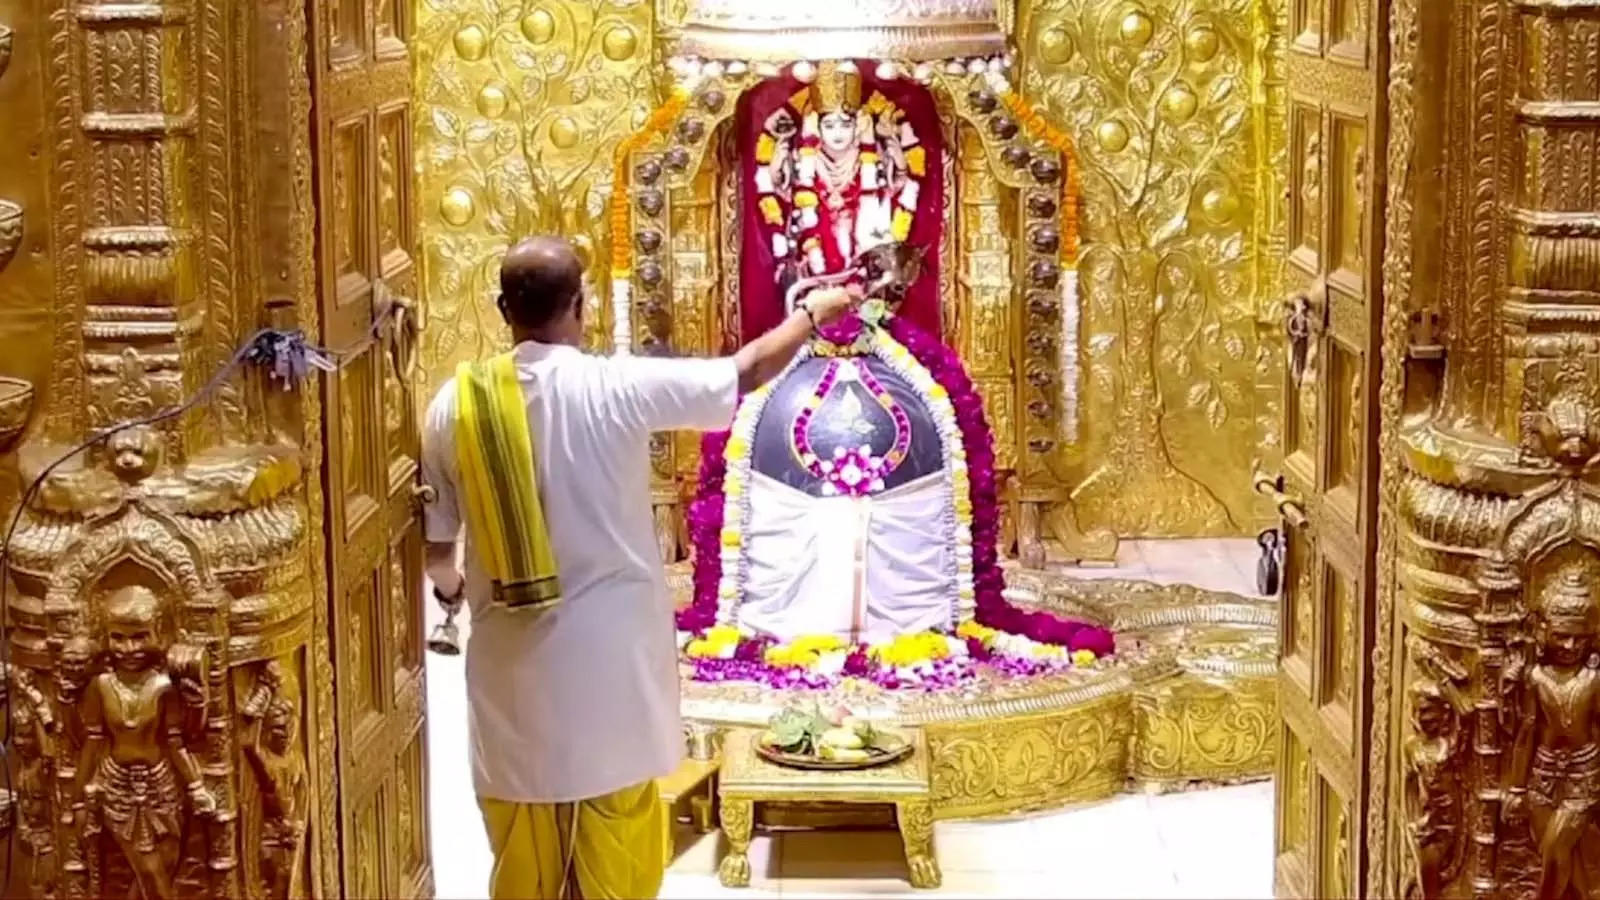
column 928, row 660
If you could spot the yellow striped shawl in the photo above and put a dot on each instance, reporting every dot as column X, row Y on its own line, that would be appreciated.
column 500, row 490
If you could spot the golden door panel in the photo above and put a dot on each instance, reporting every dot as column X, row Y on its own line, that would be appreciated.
column 394, row 189
column 359, row 659
column 393, row 30
column 1348, row 28
column 359, row 438
column 1346, row 184
column 1343, row 397
column 1305, row 24
column 349, row 224
column 1334, row 858
column 1336, row 682
column 404, row 627
column 411, row 829
column 1305, row 186
column 347, row 36
column 1293, row 863
column 366, row 863
column 1299, row 638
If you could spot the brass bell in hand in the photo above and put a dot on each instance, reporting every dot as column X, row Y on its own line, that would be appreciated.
column 446, row 639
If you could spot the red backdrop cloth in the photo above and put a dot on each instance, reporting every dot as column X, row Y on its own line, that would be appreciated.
column 760, row 304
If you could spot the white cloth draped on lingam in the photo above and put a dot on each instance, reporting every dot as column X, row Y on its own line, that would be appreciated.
column 864, row 568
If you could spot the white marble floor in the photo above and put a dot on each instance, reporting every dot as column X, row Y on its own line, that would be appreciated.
column 1212, row 843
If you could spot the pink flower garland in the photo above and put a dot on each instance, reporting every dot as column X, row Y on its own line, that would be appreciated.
column 993, row 609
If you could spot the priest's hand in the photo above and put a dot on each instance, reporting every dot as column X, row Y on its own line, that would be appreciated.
column 826, row 305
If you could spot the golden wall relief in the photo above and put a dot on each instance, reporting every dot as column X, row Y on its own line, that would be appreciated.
column 160, row 588
column 1491, row 518
column 1179, row 372
column 520, row 107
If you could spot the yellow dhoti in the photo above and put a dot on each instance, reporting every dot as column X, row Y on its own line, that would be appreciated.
column 616, row 845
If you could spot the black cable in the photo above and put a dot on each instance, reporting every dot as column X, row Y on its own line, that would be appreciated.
column 267, row 347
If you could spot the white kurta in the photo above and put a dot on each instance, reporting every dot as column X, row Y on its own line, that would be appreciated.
column 873, row 567
column 583, row 700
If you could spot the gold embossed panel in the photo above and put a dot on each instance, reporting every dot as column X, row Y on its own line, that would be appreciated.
column 410, row 828
column 1293, row 862
column 1328, row 490
column 1347, row 172
column 1334, row 853
column 1305, row 185
column 520, row 107
column 1347, row 29
column 367, row 242
column 350, row 226
column 1160, row 98
column 1336, row 680
column 1300, row 622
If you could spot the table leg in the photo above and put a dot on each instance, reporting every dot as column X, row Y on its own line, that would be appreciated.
column 738, row 820
column 915, row 818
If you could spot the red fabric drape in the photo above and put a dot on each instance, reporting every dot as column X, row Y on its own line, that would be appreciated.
column 760, row 305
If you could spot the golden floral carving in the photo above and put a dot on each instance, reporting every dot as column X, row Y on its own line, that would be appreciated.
column 519, row 116
column 1167, row 137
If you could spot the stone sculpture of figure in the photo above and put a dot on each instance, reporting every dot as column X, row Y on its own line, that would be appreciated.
column 74, row 667
column 280, row 772
column 1554, row 778
column 135, row 751
column 32, row 743
column 1434, row 825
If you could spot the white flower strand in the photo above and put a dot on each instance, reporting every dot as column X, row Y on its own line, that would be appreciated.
column 1070, row 321
column 621, row 316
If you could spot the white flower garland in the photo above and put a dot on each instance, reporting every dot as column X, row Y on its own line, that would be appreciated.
column 958, row 486
column 621, row 315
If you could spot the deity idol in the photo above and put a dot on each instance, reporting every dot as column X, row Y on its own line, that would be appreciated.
column 853, row 499
column 1554, row 777
column 135, row 752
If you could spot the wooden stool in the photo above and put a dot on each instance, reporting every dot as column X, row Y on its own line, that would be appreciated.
column 695, row 782
column 747, row 779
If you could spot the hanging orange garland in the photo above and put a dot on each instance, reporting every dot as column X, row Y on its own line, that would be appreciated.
column 1038, row 125
column 660, row 120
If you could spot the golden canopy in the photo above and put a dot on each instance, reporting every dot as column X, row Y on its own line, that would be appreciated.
column 908, row 30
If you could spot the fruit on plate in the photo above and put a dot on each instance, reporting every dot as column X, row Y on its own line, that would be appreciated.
column 809, row 732
column 844, row 754
column 842, row 739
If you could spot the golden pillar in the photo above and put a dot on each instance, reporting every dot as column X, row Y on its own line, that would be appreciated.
column 171, row 680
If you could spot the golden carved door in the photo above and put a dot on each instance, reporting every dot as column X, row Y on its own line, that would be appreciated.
column 1327, row 490
column 361, row 100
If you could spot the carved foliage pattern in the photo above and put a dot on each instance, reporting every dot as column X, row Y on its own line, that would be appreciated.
column 1157, row 98
column 521, row 109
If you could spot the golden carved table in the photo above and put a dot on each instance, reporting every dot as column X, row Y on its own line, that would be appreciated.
column 747, row 779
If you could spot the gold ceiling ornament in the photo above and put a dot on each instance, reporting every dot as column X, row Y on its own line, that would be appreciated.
column 914, row 30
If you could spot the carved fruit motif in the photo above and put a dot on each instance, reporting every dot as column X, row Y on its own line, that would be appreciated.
column 10, row 221
column 16, row 406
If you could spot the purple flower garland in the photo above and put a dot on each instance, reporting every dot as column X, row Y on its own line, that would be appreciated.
column 993, row 609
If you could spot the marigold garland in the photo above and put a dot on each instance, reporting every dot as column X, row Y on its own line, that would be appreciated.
column 1038, row 125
